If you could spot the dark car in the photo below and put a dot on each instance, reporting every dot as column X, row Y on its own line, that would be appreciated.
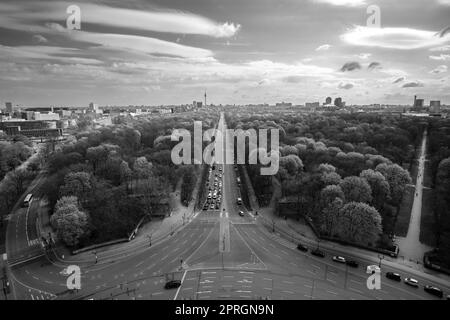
column 318, row 253
column 172, row 284
column 393, row 276
column 434, row 291
column 241, row 213
column 302, row 247
column 352, row 263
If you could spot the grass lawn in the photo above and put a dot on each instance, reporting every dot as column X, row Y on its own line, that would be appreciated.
column 401, row 228
column 427, row 219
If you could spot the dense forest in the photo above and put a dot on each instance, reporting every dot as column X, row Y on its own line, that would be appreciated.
column 347, row 172
column 103, row 182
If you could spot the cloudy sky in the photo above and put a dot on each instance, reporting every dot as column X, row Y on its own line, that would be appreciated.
column 155, row 52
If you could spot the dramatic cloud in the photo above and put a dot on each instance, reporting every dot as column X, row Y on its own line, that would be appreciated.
column 324, row 47
column 347, row 3
column 413, row 85
column 393, row 38
column 441, row 49
column 364, row 56
column 23, row 16
column 442, row 57
column 374, row 65
column 350, row 66
column 346, row 86
column 141, row 44
column 399, row 80
column 439, row 69
column 37, row 38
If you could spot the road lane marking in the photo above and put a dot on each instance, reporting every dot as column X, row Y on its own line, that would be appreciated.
column 332, row 292
column 287, row 291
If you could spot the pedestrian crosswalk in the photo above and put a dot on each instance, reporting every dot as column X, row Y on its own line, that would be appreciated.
column 33, row 242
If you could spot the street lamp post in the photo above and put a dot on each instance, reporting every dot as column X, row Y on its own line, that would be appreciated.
column 273, row 225
column 381, row 257
column 96, row 257
column 149, row 240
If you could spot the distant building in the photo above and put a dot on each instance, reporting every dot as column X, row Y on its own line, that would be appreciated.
column 418, row 104
column 94, row 108
column 435, row 106
column 9, row 107
column 312, row 105
column 284, row 104
column 30, row 128
column 45, row 116
column 338, row 102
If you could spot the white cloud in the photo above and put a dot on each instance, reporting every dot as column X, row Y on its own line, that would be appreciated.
column 441, row 49
column 444, row 2
column 441, row 57
column 323, row 47
column 393, row 38
column 141, row 44
column 364, row 56
column 37, row 38
column 27, row 15
column 345, row 86
column 347, row 3
column 440, row 69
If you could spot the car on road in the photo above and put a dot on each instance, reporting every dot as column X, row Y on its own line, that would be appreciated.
column 172, row 284
column 212, row 206
column 412, row 282
column 302, row 247
column 339, row 259
column 220, row 169
column 318, row 253
column 393, row 276
column 241, row 213
column 434, row 291
column 372, row 269
column 352, row 263
column 239, row 201
column 205, row 207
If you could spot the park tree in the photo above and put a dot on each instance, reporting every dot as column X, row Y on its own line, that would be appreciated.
column 70, row 221
column 292, row 163
column 329, row 216
column 359, row 223
column 398, row 178
column 77, row 184
column 356, row 189
column 142, row 168
column 329, row 193
column 379, row 186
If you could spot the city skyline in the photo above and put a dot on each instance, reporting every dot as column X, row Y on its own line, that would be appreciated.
column 163, row 53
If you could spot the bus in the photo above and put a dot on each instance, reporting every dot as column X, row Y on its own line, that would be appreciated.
column 27, row 200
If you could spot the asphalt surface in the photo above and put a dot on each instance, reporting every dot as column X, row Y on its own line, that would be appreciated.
column 253, row 263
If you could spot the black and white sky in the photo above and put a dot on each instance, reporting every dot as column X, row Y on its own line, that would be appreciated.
column 155, row 52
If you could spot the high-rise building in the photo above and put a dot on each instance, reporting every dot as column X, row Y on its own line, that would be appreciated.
column 9, row 107
column 418, row 104
column 338, row 102
column 435, row 106
column 93, row 107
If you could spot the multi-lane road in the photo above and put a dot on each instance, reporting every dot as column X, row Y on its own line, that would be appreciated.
column 218, row 255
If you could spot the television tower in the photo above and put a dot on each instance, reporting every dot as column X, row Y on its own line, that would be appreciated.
column 205, row 98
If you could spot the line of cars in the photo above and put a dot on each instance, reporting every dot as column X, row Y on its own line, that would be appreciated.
column 214, row 197
column 415, row 284
column 374, row 268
